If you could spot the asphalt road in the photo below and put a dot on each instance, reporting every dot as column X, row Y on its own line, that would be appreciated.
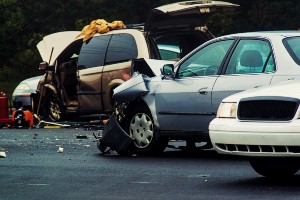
column 33, row 169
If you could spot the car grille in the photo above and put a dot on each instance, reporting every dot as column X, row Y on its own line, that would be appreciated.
column 259, row 148
column 270, row 109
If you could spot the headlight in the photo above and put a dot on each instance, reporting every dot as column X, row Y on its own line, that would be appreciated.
column 227, row 110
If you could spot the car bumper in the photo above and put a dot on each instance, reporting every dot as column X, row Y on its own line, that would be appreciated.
column 230, row 136
column 22, row 101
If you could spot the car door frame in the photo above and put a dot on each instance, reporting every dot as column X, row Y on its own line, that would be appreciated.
column 90, row 95
column 168, row 119
column 223, row 78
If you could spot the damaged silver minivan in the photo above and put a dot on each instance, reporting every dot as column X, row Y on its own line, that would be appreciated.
column 82, row 75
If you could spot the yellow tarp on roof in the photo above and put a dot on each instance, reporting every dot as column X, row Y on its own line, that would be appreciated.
column 99, row 26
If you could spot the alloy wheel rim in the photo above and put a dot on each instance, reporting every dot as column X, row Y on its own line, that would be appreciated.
column 54, row 110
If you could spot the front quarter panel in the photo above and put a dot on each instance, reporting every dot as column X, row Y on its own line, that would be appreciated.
column 131, row 89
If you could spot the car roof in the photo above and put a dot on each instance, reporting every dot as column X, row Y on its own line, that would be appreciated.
column 287, row 33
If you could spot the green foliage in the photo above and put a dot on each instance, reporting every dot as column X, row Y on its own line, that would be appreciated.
column 25, row 22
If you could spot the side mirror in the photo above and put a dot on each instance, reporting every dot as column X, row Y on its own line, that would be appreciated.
column 168, row 70
column 43, row 65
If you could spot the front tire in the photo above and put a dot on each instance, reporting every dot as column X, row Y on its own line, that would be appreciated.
column 274, row 168
column 52, row 108
column 140, row 127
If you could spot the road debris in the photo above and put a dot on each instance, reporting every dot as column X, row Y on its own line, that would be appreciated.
column 49, row 124
column 60, row 150
column 2, row 154
column 81, row 137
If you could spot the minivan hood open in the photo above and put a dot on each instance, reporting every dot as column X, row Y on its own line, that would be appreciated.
column 58, row 41
column 186, row 14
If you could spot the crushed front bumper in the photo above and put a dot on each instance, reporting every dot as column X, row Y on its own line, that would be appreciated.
column 114, row 137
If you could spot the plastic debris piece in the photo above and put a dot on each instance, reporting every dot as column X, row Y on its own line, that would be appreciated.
column 81, row 137
column 2, row 154
column 60, row 150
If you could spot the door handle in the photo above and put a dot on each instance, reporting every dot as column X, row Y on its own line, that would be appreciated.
column 202, row 91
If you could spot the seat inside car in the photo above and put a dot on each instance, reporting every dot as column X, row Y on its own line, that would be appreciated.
column 251, row 61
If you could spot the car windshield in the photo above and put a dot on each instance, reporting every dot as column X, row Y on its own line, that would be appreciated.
column 292, row 45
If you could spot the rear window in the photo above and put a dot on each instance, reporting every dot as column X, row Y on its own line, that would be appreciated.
column 122, row 47
column 92, row 53
column 293, row 47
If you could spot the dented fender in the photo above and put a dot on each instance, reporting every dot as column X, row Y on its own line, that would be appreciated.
column 131, row 89
column 143, row 70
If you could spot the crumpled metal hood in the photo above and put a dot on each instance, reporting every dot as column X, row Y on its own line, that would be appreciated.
column 149, row 67
column 56, row 41
column 135, row 87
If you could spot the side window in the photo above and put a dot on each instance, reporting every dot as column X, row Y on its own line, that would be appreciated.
column 93, row 51
column 175, row 47
column 122, row 47
column 206, row 61
column 168, row 47
column 71, row 52
column 292, row 44
column 251, row 56
column 169, row 52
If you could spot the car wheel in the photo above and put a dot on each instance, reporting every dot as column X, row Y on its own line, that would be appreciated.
column 141, row 129
column 52, row 108
column 273, row 168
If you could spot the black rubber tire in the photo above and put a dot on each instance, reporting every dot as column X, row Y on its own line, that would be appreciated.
column 52, row 109
column 140, row 126
column 274, row 168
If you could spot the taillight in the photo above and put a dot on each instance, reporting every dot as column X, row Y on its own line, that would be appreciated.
column 43, row 65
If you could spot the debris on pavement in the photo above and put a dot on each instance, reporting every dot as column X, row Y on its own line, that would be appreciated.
column 60, row 150
column 52, row 124
column 2, row 154
column 81, row 137
column 95, row 125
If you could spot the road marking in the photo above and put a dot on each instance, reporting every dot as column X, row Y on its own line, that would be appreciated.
column 38, row 184
column 144, row 182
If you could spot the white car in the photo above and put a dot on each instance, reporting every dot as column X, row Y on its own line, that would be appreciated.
column 23, row 93
column 263, row 124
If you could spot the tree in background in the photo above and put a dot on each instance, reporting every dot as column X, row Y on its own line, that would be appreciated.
column 25, row 22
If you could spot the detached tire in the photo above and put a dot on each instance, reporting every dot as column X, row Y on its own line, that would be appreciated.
column 274, row 168
column 52, row 108
column 139, row 125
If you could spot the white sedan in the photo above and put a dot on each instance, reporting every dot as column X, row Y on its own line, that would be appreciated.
column 263, row 124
